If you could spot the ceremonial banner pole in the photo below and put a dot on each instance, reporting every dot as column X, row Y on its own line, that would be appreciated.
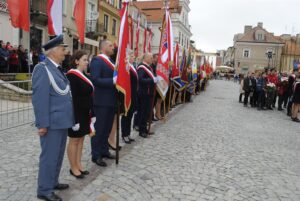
column 122, row 71
column 170, row 97
column 118, row 128
column 184, row 95
column 152, row 108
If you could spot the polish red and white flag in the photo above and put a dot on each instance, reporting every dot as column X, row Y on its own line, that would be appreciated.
column 54, row 12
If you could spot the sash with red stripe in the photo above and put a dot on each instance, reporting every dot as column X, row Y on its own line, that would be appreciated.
column 107, row 61
column 149, row 72
column 81, row 76
column 133, row 70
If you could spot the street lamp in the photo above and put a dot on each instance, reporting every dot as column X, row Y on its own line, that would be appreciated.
column 269, row 56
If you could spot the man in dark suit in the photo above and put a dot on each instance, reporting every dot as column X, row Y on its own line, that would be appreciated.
column 248, row 86
column 102, row 75
column 147, row 82
column 53, row 109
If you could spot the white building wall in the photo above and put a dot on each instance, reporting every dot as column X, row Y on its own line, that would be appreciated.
column 8, row 33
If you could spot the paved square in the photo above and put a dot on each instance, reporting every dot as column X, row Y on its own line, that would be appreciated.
column 211, row 149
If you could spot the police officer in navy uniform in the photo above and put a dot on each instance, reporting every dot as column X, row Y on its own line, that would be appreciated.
column 102, row 76
column 146, row 80
column 53, row 109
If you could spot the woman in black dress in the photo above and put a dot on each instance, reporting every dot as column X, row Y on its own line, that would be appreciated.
column 82, row 92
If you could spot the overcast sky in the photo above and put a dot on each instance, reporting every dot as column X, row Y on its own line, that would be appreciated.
column 214, row 22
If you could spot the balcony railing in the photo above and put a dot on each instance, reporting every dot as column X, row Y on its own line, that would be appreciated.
column 39, row 6
column 91, row 25
column 39, row 12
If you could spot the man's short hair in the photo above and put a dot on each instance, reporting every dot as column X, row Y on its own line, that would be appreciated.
column 146, row 54
column 102, row 44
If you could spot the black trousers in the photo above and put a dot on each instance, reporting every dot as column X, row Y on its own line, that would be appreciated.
column 241, row 97
column 144, row 112
column 247, row 93
column 282, row 99
column 253, row 99
column 126, row 123
column 104, row 121
column 261, row 99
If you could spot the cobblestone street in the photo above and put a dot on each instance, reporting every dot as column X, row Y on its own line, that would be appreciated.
column 211, row 149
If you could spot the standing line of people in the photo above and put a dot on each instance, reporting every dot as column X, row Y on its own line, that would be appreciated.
column 77, row 104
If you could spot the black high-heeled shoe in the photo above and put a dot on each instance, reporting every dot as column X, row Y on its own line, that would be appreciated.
column 81, row 176
column 85, row 172
column 114, row 149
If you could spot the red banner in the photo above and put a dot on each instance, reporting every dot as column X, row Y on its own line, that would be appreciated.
column 123, row 79
column 19, row 14
column 79, row 15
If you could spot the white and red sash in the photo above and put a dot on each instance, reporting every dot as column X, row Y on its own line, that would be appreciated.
column 149, row 72
column 133, row 70
column 79, row 74
column 107, row 61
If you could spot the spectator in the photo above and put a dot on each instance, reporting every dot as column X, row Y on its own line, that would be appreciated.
column 13, row 61
column 242, row 92
column 296, row 100
column 260, row 90
column 4, row 54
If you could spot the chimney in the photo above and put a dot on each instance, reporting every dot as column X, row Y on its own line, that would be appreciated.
column 260, row 25
column 247, row 29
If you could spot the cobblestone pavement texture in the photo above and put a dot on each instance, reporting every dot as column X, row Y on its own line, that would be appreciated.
column 212, row 149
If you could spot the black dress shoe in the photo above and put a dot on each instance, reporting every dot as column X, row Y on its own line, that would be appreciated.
column 126, row 140
column 153, row 119
column 110, row 156
column 143, row 135
column 81, row 176
column 99, row 162
column 136, row 128
column 50, row 197
column 85, row 172
column 280, row 109
column 295, row 120
column 61, row 186
column 111, row 147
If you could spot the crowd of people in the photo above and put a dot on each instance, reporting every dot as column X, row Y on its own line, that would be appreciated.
column 263, row 90
column 84, row 101
column 18, row 59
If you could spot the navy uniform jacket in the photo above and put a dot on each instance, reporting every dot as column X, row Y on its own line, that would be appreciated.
column 102, row 78
column 145, row 80
column 52, row 110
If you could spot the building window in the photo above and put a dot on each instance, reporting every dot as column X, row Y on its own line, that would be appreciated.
column 114, row 26
column 120, row 4
column 246, row 53
column 112, row 2
column 260, row 37
column 105, row 23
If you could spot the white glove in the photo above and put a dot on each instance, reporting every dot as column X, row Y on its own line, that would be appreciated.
column 115, row 79
column 93, row 120
column 76, row 127
column 92, row 127
column 155, row 79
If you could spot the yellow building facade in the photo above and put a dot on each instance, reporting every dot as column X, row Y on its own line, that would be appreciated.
column 109, row 18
